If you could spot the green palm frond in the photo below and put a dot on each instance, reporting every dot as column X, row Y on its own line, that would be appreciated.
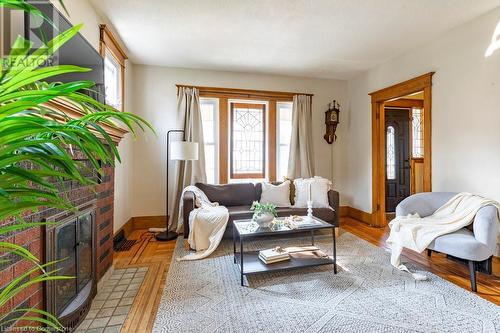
column 18, row 250
column 21, row 226
column 52, row 323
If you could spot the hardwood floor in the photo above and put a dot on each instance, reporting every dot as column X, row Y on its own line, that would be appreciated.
column 488, row 286
column 147, row 252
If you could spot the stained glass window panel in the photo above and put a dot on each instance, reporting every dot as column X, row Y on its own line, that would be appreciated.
column 391, row 154
column 418, row 133
column 247, row 140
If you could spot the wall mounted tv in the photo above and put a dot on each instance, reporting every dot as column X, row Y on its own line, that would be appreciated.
column 77, row 51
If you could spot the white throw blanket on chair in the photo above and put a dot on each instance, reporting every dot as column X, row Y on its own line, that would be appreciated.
column 416, row 233
column 207, row 223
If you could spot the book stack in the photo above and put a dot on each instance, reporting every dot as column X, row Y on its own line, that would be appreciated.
column 271, row 256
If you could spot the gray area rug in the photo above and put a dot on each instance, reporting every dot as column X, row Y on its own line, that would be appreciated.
column 367, row 295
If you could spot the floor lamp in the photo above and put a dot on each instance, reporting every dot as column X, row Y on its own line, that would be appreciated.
column 181, row 151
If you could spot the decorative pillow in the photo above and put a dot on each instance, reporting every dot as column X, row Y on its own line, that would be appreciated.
column 278, row 195
column 292, row 189
column 319, row 192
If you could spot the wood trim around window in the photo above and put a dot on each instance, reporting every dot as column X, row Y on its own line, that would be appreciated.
column 224, row 95
column 243, row 93
column 413, row 163
column 272, row 139
column 405, row 103
column 108, row 42
column 223, row 140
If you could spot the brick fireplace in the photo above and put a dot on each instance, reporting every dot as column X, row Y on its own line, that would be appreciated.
column 100, row 196
column 33, row 240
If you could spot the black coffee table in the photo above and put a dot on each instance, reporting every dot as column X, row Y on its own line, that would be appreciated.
column 249, row 262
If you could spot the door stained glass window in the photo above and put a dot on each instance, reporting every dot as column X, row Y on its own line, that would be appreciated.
column 417, row 133
column 391, row 154
column 248, row 140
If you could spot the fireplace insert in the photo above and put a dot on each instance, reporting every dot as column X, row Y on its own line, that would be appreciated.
column 71, row 243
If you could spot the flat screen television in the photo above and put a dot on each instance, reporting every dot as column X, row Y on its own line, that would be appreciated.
column 77, row 51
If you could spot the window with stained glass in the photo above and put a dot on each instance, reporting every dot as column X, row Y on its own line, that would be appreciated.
column 248, row 128
column 417, row 133
column 391, row 153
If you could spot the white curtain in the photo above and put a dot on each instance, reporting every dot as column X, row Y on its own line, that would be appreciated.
column 189, row 172
column 300, row 163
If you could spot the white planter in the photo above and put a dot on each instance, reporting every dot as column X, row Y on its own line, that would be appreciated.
column 263, row 219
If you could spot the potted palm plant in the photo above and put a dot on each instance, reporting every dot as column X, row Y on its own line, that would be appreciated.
column 31, row 132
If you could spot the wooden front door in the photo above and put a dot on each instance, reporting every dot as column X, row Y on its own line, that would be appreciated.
column 397, row 157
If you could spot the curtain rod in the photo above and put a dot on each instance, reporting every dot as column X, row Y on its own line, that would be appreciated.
column 247, row 92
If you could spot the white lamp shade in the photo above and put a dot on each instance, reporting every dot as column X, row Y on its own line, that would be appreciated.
column 183, row 150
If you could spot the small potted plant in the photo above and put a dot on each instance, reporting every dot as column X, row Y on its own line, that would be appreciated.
column 263, row 214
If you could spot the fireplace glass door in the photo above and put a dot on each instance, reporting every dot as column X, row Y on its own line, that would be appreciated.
column 84, row 250
column 66, row 256
column 74, row 257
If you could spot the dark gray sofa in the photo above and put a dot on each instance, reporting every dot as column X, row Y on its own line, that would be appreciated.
column 238, row 199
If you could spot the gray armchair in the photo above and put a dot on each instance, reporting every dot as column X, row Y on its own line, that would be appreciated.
column 476, row 246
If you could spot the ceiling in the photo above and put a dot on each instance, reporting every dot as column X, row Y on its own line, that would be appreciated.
column 308, row 38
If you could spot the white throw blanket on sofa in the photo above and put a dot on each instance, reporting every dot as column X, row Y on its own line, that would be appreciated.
column 207, row 223
column 416, row 233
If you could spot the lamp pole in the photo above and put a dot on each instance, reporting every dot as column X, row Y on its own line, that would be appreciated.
column 168, row 235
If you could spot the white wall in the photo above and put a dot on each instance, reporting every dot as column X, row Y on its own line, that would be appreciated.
column 465, row 112
column 124, row 194
column 155, row 100
column 81, row 11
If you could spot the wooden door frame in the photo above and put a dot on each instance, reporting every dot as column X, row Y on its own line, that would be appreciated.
column 378, row 99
